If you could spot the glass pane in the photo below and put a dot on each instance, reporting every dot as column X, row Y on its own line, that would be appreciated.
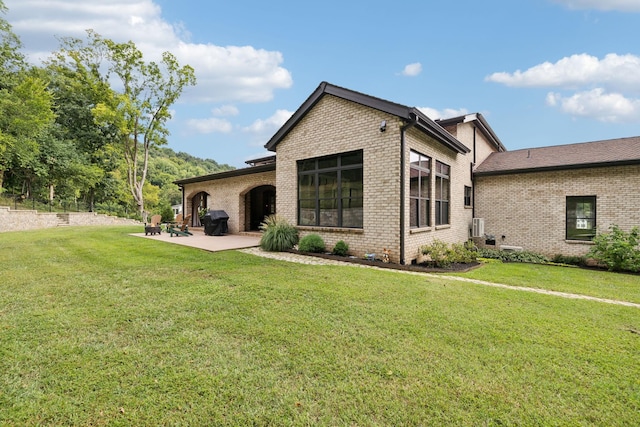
column 445, row 189
column 438, row 188
column 445, row 213
column 414, row 188
column 413, row 212
column 351, row 159
column 425, row 163
column 328, row 185
column 352, row 183
column 424, row 213
column 306, row 187
column 352, row 213
column 414, row 158
column 329, row 213
column 307, row 213
column 438, row 212
column 306, row 165
column 424, row 186
column 328, row 162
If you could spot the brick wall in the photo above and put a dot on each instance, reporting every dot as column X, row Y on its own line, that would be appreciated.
column 335, row 126
column 529, row 209
column 229, row 194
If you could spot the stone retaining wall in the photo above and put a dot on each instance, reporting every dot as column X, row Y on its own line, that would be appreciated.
column 18, row 220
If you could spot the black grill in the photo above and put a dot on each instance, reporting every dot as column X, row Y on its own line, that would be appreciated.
column 215, row 223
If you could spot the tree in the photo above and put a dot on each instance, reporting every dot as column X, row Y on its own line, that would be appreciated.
column 25, row 104
column 137, row 112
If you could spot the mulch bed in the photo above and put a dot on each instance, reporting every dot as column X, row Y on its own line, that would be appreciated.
column 423, row 268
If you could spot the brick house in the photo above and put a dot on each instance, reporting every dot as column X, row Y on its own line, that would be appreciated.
column 552, row 200
column 377, row 174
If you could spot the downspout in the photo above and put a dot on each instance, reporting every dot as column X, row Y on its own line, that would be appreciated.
column 473, row 180
column 403, row 130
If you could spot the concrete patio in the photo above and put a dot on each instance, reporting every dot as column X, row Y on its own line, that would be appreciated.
column 208, row 243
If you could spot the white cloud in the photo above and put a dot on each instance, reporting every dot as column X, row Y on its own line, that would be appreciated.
column 613, row 71
column 412, row 70
column 262, row 130
column 224, row 73
column 269, row 125
column 619, row 5
column 209, row 125
column 598, row 104
column 434, row 114
column 603, row 89
column 226, row 110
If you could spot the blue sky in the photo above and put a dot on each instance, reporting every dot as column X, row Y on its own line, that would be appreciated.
column 542, row 72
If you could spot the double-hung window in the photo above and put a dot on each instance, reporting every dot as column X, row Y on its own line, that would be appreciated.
column 330, row 191
column 581, row 218
column 419, row 190
column 442, row 193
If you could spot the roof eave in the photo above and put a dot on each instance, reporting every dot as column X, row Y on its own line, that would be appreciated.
column 227, row 174
column 557, row 168
column 438, row 132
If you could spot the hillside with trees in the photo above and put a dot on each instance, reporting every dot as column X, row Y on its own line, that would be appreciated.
column 71, row 139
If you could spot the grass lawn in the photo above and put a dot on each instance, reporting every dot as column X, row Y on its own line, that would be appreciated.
column 595, row 283
column 101, row 328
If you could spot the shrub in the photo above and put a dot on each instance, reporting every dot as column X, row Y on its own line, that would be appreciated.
column 443, row 254
column 513, row 256
column 278, row 235
column 617, row 249
column 341, row 248
column 311, row 243
column 570, row 260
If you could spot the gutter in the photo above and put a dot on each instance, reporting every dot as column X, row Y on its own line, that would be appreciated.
column 403, row 130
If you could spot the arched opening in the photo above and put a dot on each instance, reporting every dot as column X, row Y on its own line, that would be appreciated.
column 198, row 203
column 259, row 203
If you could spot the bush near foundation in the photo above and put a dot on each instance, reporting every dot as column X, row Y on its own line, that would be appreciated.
column 341, row 248
column 278, row 235
column 442, row 254
column 618, row 250
column 311, row 243
column 513, row 256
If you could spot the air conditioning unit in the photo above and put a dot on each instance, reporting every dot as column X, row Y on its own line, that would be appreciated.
column 477, row 229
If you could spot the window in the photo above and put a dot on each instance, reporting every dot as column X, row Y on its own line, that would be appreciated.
column 581, row 217
column 330, row 191
column 467, row 196
column 419, row 189
column 442, row 193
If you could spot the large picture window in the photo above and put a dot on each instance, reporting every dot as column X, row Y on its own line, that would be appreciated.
column 419, row 190
column 581, row 217
column 442, row 193
column 330, row 191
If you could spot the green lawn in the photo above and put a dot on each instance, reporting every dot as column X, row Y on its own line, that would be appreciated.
column 101, row 328
column 595, row 283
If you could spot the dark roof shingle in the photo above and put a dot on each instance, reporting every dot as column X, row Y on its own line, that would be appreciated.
column 621, row 151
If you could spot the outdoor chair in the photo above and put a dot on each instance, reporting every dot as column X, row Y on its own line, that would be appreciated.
column 183, row 230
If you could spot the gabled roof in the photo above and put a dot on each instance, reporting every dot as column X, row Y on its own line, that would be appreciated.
column 481, row 124
column 612, row 152
column 408, row 114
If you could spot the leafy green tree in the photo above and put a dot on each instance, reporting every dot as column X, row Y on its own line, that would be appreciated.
column 25, row 104
column 137, row 112
column 25, row 114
